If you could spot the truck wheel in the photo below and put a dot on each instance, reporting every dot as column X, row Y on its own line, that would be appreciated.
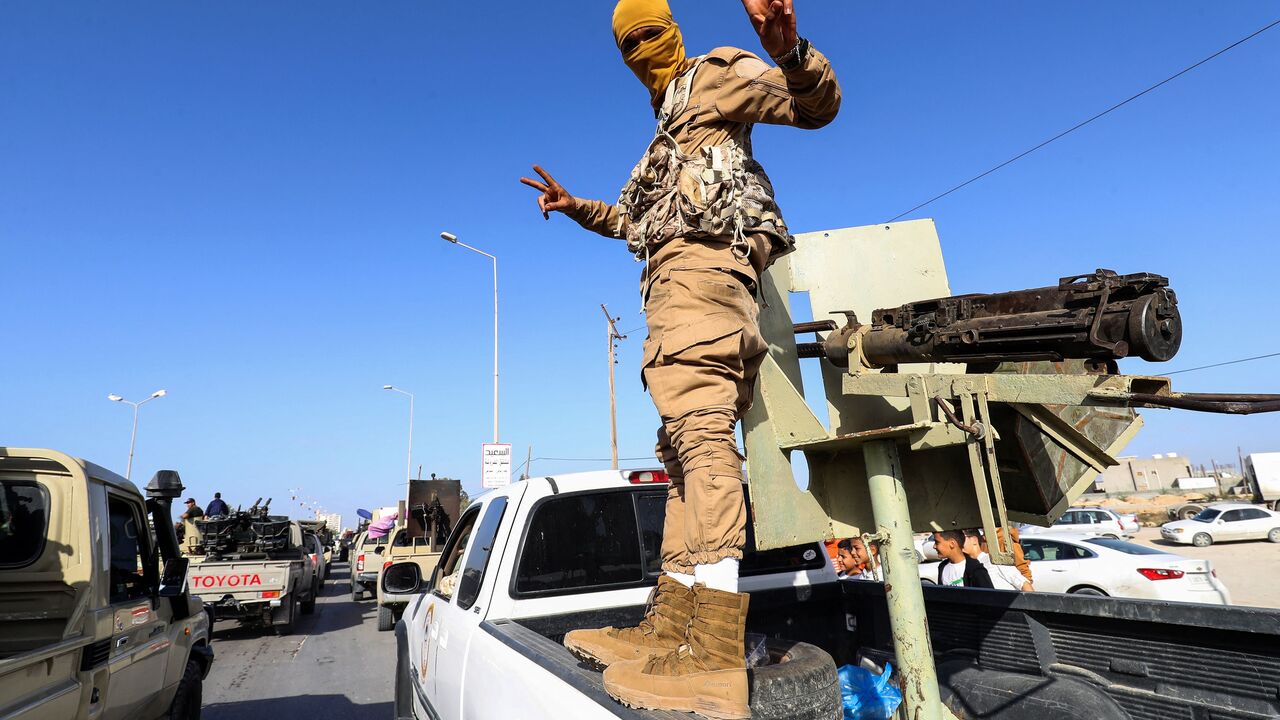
column 1202, row 540
column 190, row 695
column 799, row 683
column 386, row 618
column 1186, row 512
column 309, row 605
column 355, row 592
column 1274, row 535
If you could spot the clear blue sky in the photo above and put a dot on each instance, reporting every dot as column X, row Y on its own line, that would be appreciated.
column 240, row 202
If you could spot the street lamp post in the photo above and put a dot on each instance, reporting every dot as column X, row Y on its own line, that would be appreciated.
column 128, row 471
column 450, row 237
column 408, row 470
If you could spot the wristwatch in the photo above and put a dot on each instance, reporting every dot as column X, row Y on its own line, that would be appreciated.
column 796, row 57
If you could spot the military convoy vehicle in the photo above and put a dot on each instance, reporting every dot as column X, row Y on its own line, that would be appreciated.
column 432, row 507
column 948, row 412
column 253, row 567
column 96, row 620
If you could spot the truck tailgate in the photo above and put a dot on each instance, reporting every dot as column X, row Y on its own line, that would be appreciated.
column 222, row 578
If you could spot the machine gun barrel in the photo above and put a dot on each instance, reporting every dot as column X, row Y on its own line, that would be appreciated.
column 1101, row 316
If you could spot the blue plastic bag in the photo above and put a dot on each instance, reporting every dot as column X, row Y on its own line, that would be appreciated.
column 868, row 696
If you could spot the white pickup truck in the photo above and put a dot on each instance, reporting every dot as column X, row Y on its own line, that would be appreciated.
column 527, row 563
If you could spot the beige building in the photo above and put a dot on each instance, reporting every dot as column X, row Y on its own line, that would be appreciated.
column 1139, row 475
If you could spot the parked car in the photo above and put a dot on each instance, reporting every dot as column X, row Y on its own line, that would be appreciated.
column 1087, row 564
column 1096, row 520
column 1225, row 521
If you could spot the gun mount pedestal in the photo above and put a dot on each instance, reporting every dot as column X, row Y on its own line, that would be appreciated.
column 918, row 442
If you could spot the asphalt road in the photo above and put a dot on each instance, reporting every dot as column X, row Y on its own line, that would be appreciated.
column 335, row 665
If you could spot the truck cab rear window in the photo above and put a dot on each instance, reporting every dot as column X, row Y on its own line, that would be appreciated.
column 580, row 541
column 610, row 540
column 24, row 522
column 653, row 511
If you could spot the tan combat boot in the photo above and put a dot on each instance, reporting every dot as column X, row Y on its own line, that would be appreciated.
column 708, row 675
column 661, row 630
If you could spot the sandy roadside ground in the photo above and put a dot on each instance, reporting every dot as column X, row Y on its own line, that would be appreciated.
column 1249, row 568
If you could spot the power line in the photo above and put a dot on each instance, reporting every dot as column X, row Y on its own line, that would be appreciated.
column 1229, row 362
column 1077, row 126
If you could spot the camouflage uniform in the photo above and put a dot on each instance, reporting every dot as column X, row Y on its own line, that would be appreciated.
column 699, row 211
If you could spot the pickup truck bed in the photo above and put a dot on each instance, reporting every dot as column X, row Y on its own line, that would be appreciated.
column 540, row 638
column 1153, row 661
column 1118, row 658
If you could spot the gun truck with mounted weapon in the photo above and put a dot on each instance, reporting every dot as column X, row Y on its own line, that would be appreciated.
column 949, row 412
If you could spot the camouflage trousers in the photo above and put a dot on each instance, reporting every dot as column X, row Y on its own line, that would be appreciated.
column 700, row 364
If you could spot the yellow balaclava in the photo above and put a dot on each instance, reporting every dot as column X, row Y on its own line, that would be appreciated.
column 658, row 60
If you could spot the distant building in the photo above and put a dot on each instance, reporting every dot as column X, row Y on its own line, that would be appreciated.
column 333, row 521
column 1158, row 473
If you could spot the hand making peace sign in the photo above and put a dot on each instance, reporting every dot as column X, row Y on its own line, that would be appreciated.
column 553, row 197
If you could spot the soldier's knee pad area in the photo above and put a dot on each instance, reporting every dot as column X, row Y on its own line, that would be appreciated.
column 706, row 439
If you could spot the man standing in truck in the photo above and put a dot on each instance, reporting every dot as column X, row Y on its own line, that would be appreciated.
column 700, row 213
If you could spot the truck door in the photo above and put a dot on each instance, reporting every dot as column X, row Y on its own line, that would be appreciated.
column 457, row 607
column 1232, row 525
column 139, row 645
column 1055, row 565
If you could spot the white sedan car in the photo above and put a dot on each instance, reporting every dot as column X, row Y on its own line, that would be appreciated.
column 1225, row 521
column 1094, row 520
column 1092, row 565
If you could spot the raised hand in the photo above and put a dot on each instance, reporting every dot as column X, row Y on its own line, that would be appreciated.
column 553, row 197
column 775, row 23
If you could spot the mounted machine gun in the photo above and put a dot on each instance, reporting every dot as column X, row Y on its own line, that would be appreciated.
column 954, row 412
column 245, row 532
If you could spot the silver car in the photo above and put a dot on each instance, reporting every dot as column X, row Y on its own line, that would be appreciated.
column 1225, row 521
column 1095, row 520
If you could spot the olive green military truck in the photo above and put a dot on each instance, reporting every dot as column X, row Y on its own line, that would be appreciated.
column 95, row 618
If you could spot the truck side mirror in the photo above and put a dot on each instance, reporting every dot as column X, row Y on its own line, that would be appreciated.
column 173, row 580
column 377, row 550
column 402, row 579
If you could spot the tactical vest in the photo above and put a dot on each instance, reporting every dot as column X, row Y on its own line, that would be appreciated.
column 719, row 192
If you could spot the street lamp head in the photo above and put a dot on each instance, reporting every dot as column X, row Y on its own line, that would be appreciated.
column 159, row 393
column 114, row 398
column 450, row 237
column 388, row 387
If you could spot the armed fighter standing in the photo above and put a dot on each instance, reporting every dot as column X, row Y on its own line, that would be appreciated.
column 700, row 213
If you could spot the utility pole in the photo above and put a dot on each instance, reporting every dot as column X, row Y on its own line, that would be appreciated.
column 614, row 337
column 1250, row 486
column 528, row 464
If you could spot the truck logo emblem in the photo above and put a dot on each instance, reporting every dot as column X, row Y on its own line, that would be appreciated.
column 220, row 581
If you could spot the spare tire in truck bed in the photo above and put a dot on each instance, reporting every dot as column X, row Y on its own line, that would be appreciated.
column 799, row 683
